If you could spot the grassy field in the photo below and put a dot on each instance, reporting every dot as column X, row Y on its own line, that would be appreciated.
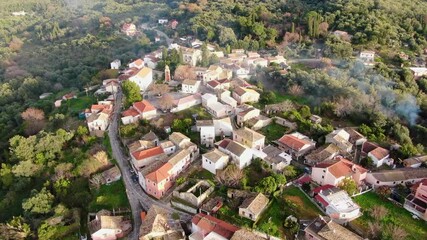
column 273, row 132
column 304, row 208
column 81, row 103
column 202, row 174
column 416, row 229
column 109, row 197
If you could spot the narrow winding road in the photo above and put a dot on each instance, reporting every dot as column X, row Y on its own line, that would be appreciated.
column 138, row 199
column 169, row 41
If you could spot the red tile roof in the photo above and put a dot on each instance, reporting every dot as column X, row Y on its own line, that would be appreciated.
column 160, row 174
column 293, row 142
column 213, row 83
column 380, row 153
column 321, row 188
column 138, row 62
column 341, row 168
column 143, row 154
column 208, row 224
column 143, row 106
column 321, row 200
column 130, row 112
column 224, row 143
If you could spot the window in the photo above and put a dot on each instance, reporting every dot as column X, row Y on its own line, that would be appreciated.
column 323, row 177
column 324, row 170
column 378, row 182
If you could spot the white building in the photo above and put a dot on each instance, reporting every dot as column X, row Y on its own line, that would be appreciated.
column 143, row 78
column 223, row 127
column 98, row 122
column 163, row 21
column 337, row 203
column 116, row 64
column 207, row 132
column 138, row 63
column 214, row 160
column 368, row 57
column 395, row 177
column 241, row 155
column 190, row 86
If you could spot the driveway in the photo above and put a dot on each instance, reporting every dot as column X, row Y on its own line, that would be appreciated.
column 138, row 199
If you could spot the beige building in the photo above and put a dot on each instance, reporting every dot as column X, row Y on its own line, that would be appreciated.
column 250, row 138
column 245, row 95
column 253, row 206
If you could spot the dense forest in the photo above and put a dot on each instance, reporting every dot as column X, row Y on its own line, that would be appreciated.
column 63, row 46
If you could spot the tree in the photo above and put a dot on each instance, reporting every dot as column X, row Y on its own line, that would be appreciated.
column 132, row 92
column 267, row 185
column 159, row 89
column 290, row 171
column 348, row 185
column 15, row 229
column 166, row 102
column 231, row 176
column 26, row 169
column 280, row 179
column 268, row 97
column 183, row 72
column 383, row 191
column 82, row 131
column 226, row 36
column 40, row 202
column 34, row 120
column 305, row 111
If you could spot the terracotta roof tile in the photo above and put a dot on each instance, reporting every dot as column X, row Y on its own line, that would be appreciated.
column 160, row 174
column 293, row 142
column 143, row 154
column 130, row 112
column 143, row 106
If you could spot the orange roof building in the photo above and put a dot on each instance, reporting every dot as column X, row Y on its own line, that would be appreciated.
column 333, row 172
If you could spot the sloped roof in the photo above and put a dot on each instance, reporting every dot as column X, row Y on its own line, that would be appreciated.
column 380, row 153
column 143, row 106
column 293, row 142
column 150, row 136
column 209, row 224
column 158, row 220
column 177, row 138
column 256, row 203
column 189, row 82
column 178, row 156
column 402, row 174
column 326, row 229
column 249, row 134
column 236, row 148
column 244, row 234
column 130, row 112
column 215, row 155
column 143, row 154
column 341, row 167
column 144, row 72
column 160, row 174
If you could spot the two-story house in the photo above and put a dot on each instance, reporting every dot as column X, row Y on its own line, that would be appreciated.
column 190, row 86
column 296, row 144
column 333, row 172
column 250, row 138
column 240, row 154
column 245, row 95
column 143, row 78
column 214, row 160
column 416, row 202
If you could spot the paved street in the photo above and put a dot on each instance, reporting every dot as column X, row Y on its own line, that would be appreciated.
column 168, row 40
column 138, row 199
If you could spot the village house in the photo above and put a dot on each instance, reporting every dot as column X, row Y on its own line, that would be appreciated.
column 144, row 109
column 333, row 172
column 207, row 132
column 367, row 57
column 356, row 138
column 415, row 162
column 190, row 86
column 245, row 95
column 416, row 202
column 396, row 177
column 225, row 97
column 214, row 160
column 236, row 58
column 218, row 85
column 129, row 29
column 215, row 108
column 110, row 85
column 218, row 54
column 337, row 203
column 341, row 139
column 20, row 13
column 323, row 228
column 276, row 158
column 111, row 175
column 168, row 147
column 296, row 144
column 207, row 227
column 322, row 154
column 252, row 207
column 138, row 64
column 258, row 122
column 153, row 58
column 159, row 223
column 245, row 113
column 418, row 71
column 279, row 60
column 163, row 21
column 378, row 154
column 140, row 145
column 342, row 35
column 143, row 78
column 250, row 138
column 69, row 96
column 116, row 64
column 173, row 24
column 98, row 123
column 241, row 72
column 145, row 157
column 108, row 227
column 223, row 127
column 186, row 102
column 316, row 119
column 191, row 56
column 240, row 154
